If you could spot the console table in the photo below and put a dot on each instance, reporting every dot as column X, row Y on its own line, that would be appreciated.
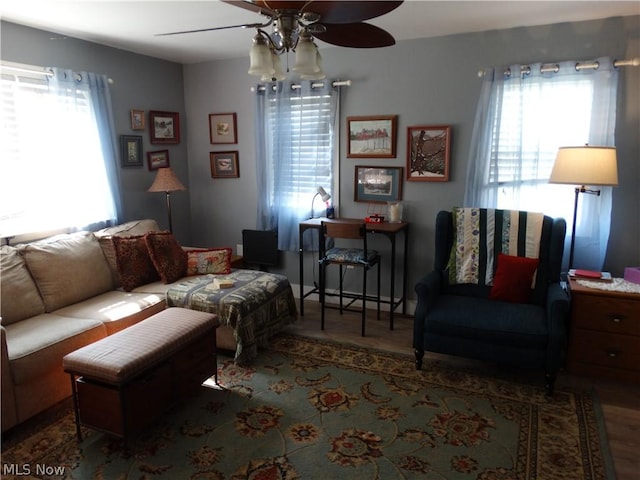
column 389, row 230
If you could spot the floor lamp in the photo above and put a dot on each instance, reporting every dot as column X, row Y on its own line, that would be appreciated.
column 583, row 166
column 167, row 182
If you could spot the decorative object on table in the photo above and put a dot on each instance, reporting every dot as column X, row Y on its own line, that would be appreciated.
column 428, row 153
column 395, row 212
column 137, row 119
column 222, row 283
column 294, row 26
column 323, row 195
column 158, row 159
column 164, row 127
column 375, row 213
column 376, row 417
column 632, row 274
column 130, row 150
column 377, row 184
column 167, row 182
column 585, row 165
column 593, row 275
column 372, row 137
column 224, row 164
column 223, row 128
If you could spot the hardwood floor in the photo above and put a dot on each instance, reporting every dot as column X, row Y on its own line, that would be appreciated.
column 620, row 402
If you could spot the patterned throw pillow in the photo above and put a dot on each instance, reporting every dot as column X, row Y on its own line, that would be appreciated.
column 215, row 260
column 133, row 261
column 167, row 256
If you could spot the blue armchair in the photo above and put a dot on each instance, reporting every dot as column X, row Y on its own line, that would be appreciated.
column 457, row 311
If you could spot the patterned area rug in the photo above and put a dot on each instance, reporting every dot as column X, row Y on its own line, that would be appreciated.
column 311, row 409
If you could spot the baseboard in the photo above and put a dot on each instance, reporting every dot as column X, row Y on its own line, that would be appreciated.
column 411, row 304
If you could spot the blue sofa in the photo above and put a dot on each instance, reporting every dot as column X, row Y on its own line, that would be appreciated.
column 461, row 319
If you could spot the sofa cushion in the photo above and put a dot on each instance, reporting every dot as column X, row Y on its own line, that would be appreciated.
column 36, row 345
column 68, row 268
column 116, row 309
column 128, row 229
column 513, row 278
column 19, row 296
column 167, row 256
column 134, row 263
column 205, row 261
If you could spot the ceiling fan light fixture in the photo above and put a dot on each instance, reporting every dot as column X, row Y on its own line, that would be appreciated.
column 319, row 75
column 278, row 74
column 306, row 56
column 261, row 63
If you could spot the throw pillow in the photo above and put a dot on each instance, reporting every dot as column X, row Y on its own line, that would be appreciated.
column 214, row 260
column 513, row 278
column 133, row 261
column 167, row 256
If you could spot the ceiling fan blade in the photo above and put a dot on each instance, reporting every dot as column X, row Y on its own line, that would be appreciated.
column 349, row 11
column 246, row 25
column 356, row 35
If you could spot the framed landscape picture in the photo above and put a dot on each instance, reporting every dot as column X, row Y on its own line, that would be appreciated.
column 372, row 137
column 223, row 128
column 158, row 159
column 224, row 164
column 164, row 127
column 130, row 150
column 428, row 153
column 137, row 119
column 378, row 184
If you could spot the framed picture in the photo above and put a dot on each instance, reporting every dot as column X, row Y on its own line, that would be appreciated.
column 131, row 150
column 378, row 184
column 372, row 137
column 164, row 127
column 158, row 159
column 428, row 153
column 137, row 120
column 223, row 128
column 224, row 164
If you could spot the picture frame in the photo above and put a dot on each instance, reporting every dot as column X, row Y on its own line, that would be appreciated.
column 224, row 164
column 223, row 128
column 377, row 184
column 428, row 152
column 158, row 159
column 372, row 137
column 137, row 119
column 164, row 127
column 131, row 150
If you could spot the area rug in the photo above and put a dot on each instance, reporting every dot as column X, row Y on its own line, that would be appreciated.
column 310, row 409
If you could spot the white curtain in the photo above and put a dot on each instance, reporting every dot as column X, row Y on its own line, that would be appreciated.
column 522, row 119
column 295, row 140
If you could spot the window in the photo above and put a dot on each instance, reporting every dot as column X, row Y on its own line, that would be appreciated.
column 54, row 174
column 523, row 117
column 296, row 154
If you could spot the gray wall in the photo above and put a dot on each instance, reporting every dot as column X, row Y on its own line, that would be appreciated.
column 140, row 82
column 425, row 82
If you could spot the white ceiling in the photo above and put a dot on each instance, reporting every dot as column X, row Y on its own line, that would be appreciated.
column 132, row 25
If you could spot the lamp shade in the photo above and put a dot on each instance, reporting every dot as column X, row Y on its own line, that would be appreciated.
column 306, row 56
column 323, row 194
column 166, row 181
column 585, row 165
column 260, row 57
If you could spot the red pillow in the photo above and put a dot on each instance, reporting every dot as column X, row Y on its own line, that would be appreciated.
column 212, row 260
column 513, row 278
column 167, row 256
column 134, row 264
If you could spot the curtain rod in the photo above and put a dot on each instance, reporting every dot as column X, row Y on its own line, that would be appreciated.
column 295, row 86
column 40, row 71
column 555, row 68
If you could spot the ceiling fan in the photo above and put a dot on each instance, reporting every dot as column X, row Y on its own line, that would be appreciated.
column 296, row 23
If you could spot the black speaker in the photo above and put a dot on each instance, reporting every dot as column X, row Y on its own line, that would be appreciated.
column 260, row 247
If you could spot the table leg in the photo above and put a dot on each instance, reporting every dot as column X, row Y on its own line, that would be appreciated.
column 392, row 304
column 301, row 266
column 405, row 269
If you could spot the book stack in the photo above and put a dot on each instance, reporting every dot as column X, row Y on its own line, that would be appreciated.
column 219, row 283
column 593, row 275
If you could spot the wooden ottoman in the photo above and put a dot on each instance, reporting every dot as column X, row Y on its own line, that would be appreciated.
column 124, row 382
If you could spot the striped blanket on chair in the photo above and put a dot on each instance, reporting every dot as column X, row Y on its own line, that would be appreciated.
column 480, row 234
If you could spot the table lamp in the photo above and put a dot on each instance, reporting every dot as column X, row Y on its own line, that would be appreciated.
column 585, row 165
column 323, row 195
column 167, row 182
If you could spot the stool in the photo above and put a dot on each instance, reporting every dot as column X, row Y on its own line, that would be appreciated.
column 124, row 382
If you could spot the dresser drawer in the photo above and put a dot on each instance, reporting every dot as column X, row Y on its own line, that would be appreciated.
column 604, row 314
column 605, row 349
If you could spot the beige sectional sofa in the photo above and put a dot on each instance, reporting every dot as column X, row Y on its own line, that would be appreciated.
column 58, row 295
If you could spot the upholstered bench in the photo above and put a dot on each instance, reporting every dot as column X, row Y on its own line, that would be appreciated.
column 124, row 382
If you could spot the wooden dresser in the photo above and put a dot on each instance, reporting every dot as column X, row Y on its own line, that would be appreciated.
column 604, row 338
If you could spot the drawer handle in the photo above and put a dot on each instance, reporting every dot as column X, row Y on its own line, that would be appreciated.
column 613, row 352
column 616, row 319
